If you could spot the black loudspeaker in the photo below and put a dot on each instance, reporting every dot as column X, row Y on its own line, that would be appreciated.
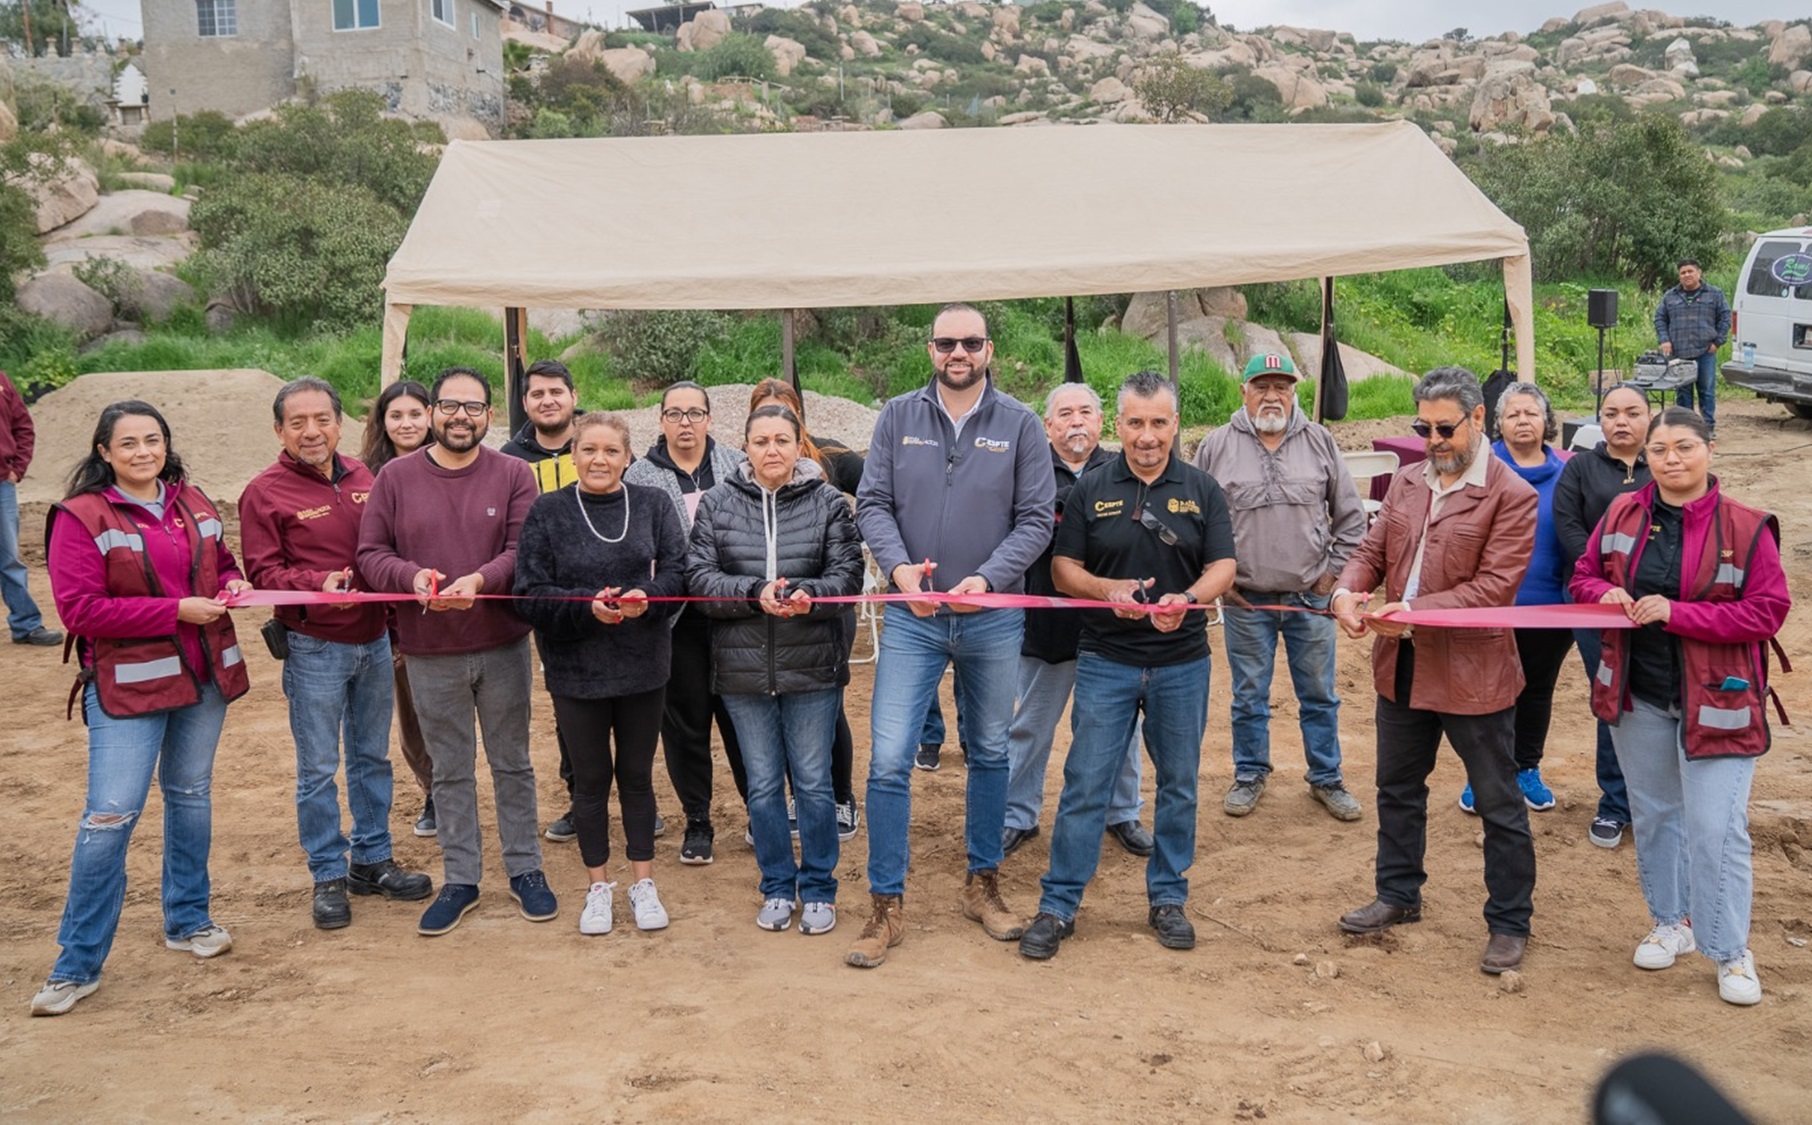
column 1601, row 308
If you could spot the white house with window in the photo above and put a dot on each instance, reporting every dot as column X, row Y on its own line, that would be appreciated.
column 434, row 59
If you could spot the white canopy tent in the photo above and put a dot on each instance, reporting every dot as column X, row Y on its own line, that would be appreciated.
column 796, row 220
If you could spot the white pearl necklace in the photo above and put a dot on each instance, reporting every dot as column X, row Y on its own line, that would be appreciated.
column 587, row 518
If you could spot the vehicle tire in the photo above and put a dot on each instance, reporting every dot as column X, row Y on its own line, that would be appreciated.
column 1799, row 409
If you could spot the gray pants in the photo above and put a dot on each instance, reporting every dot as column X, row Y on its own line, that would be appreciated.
column 447, row 690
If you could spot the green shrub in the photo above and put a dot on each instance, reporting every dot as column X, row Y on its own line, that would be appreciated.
column 1368, row 94
column 797, row 26
column 341, row 139
column 737, row 55
column 114, row 280
column 1382, row 73
column 42, row 105
column 207, row 135
column 309, row 252
column 19, row 248
column 1172, row 90
column 656, row 347
column 23, row 337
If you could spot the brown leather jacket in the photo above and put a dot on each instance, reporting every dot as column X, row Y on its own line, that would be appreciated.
column 1478, row 549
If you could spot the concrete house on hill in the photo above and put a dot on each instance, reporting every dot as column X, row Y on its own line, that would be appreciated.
column 427, row 58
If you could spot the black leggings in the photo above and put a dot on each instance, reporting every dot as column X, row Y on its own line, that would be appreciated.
column 588, row 726
column 1542, row 652
column 686, row 729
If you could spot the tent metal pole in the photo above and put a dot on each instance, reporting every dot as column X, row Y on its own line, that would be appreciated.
column 787, row 369
column 1170, row 332
column 515, row 333
column 1327, row 300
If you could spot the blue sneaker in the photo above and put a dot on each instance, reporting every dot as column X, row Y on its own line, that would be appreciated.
column 1536, row 793
column 455, row 901
column 1466, row 801
column 530, row 890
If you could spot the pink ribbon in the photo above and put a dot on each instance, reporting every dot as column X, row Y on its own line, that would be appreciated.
column 1494, row 617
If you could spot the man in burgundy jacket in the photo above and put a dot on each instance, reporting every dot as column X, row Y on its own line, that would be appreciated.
column 17, row 439
column 1456, row 532
column 299, row 530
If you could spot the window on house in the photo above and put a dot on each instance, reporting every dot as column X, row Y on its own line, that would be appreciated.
column 216, row 18
column 474, row 25
column 353, row 15
column 442, row 11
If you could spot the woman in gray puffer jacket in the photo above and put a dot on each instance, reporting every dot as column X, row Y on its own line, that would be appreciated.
column 765, row 544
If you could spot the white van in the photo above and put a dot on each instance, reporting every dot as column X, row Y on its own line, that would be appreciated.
column 1771, row 330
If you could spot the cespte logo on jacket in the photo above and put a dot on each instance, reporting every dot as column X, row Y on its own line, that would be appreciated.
column 911, row 440
column 991, row 446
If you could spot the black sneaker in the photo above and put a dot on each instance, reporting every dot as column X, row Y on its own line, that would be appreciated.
column 1605, row 832
column 388, row 879
column 1042, row 937
column 534, row 897
column 425, row 824
column 1175, row 931
column 332, row 909
column 927, row 758
column 455, row 902
column 1012, row 839
column 660, row 826
column 792, row 820
column 849, row 818
column 562, row 831
column 696, row 848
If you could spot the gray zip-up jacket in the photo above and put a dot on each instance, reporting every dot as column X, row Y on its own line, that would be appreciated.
column 1296, row 513
column 656, row 470
column 979, row 505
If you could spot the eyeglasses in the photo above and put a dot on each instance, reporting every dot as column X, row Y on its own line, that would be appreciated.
column 947, row 344
column 450, row 407
column 1445, row 429
column 695, row 415
column 1153, row 523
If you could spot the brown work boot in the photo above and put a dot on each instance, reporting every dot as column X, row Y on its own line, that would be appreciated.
column 982, row 903
column 886, row 928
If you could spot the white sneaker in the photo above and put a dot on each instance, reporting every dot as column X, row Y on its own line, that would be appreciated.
column 596, row 917
column 776, row 914
column 1737, row 982
column 211, row 942
column 1663, row 944
column 817, row 918
column 58, row 996
column 645, row 901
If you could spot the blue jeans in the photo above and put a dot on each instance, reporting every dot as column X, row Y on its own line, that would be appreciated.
column 121, row 755
column 1044, row 691
column 1692, row 830
column 984, row 646
column 1613, row 794
column 933, row 732
column 1706, row 383
column 1309, row 642
column 1109, row 699
column 22, row 614
column 782, row 735
column 333, row 688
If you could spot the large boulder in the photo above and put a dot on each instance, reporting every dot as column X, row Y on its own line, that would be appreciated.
column 629, row 64
column 1208, row 334
column 1614, row 12
column 160, row 294
column 135, row 211
column 704, row 31
column 1629, row 75
column 788, row 53
column 911, row 11
column 1145, row 313
column 588, row 47
column 1298, row 89
column 1145, row 25
column 1006, row 21
column 150, row 181
column 929, row 119
column 1032, row 67
column 1108, row 91
column 1790, row 46
column 1800, row 81
column 1510, row 98
column 62, row 299
column 64, row 190
column 868, row 46
column 1257, row 340
column 1358, row 365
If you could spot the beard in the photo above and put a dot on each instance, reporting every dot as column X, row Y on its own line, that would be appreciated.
column 1454, row 461
column 1077, row 446
column 961, row 383
column 1268, row 423
column 462, row 440
column 546, row 429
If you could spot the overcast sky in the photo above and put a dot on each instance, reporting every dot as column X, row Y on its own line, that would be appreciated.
column 1411, row 20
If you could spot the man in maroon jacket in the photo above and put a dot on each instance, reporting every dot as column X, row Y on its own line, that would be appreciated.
column 16, row 441
column 299, row 530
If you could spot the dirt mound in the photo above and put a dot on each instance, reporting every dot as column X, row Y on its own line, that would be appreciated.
column 849, row 422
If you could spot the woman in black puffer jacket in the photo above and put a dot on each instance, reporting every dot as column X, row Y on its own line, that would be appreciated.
column 765, row 544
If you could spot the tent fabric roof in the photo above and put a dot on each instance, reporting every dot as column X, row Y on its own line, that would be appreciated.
column 879, row 218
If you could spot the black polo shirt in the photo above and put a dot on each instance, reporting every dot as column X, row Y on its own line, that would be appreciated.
column 1102, row 530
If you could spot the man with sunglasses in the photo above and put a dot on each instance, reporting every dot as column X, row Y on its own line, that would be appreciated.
column 956, row 496
column 442, row 524
column 1296, row 519
column 685, row 462
column 1149, row 532
column 1455, row 532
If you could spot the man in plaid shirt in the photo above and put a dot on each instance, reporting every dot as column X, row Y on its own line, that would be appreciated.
column 1693, row 322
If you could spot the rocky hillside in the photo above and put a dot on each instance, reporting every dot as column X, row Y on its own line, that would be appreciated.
column 873, row 63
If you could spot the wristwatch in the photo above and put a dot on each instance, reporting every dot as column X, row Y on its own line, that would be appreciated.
column 1189, row 596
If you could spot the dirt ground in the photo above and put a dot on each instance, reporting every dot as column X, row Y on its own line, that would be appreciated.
column 1273, row 1016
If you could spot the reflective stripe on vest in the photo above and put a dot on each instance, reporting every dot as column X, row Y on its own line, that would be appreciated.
column 1729, row 575
column 113, row 538
column 231, row 656
column 1725, row 718
column 1616, row 543
column 147, row 670
column 1606, row 676
column 210, row 528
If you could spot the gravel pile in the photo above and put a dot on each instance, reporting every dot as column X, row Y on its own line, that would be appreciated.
column 849, row 422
